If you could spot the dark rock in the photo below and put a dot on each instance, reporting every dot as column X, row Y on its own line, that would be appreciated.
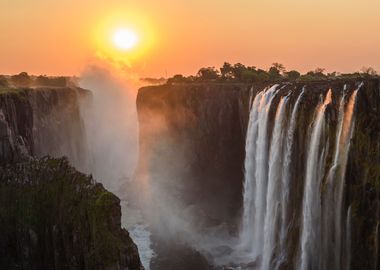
column 53, row 217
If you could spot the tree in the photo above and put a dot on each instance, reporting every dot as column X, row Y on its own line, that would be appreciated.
column 3, row 81
column 21, row 80
column 369, row 71
column 238, row 70
column 274, row 74
column 178, row 78
column 226, row 71
column 279, row 67
column 262, row 75
column 208, row 73
column 319, row 72
column 292, row 75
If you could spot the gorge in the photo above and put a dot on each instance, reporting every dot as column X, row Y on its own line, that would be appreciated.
column 269, row 175
column 227, row 175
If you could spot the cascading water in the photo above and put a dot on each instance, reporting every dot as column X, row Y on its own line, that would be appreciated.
column 286, row 180
column 332, row 217
column 310, row 234
column 269, row 178
column 274, row 189
column 256, row 167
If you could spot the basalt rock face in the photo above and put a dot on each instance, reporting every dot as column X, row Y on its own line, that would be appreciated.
column 363, row 180
column 196, row 134
column 43, row 121
column 52, row 216
column 193, row 136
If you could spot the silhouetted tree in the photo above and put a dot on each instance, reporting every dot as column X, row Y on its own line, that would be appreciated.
column 227, row 71
column 178, row 78
column 292, row 75
column 275, row 70
column 21, row 80
column 369, row 71
column 279, row 67
column 319, row 72
column 208, row 73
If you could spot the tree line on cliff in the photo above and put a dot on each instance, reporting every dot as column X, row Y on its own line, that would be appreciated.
column 23, row 79
column 276, row 73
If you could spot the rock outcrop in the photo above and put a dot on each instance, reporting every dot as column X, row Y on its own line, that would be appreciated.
column 53, row 217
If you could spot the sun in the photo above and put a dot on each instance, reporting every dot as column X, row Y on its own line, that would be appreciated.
column 125, row 39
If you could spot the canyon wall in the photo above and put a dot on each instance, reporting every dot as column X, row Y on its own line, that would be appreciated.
column 192, row 143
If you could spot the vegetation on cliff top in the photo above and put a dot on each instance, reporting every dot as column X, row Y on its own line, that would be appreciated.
column 23, row 80
column 276, row 73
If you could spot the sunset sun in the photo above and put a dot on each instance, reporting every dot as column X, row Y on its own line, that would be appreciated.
column 124, row 39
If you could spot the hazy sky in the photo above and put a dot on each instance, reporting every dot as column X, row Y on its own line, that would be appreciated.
column 57, row 37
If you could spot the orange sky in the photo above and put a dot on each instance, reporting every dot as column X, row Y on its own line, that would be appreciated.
column 58, row 37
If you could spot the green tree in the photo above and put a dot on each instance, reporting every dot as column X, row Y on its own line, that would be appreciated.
column 208, row 73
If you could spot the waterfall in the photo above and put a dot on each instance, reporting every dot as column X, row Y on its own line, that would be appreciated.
column 250, row 149
column 310, row 234
column 286, row 181
column 332, row 216
column 255, row 174
column 348, row 239
column 267, row 231
column 274, row 188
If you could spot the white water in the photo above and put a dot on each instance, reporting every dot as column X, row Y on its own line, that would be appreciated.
column 274, row 189
column 133, row 221
column 256, row 168
column 141, row 236
column 286, row 181
column 310, row 233
column 348, row 239
column 332, row 216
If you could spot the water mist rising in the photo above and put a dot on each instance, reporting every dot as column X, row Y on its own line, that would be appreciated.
column 110, row 120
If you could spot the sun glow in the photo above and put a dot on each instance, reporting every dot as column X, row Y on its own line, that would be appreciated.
column 125, row 39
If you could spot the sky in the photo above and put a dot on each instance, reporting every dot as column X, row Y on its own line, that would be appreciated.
column 180, row 36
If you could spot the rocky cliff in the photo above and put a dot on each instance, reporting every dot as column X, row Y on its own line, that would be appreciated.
column 52, row 216
column 41, row 121
column 195, row 135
